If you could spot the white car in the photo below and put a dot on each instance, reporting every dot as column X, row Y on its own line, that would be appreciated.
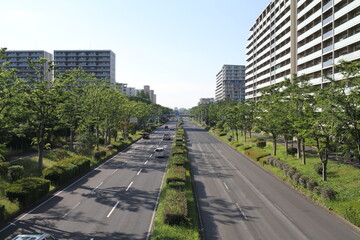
column 43, row 236
column 159, row 152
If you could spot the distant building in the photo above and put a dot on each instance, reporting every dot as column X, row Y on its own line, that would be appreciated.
column 19, row 60
column 306, row 37
column 151, row 93
column 130, row 91
column 122, row 87
column 206, row 101
column 101, row 63
column 230, row 83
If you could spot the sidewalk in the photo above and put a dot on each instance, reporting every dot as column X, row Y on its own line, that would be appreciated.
column 335, row 157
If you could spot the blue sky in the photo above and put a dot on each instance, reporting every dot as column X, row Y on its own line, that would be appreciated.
column 175, row 46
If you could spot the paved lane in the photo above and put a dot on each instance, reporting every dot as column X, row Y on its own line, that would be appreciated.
column 114, row 201
column 239, row 200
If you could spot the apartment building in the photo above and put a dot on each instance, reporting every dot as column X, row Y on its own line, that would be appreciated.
column 306, row 37
column 206, row 101
column 230, row 83
column 101, row 63
column 20, row 59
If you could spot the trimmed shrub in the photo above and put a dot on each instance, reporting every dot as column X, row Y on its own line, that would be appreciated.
column 270, row 161
column 15, row 173
column 119, row 146
column 4, row 166
column 328, row 194
column 175, row 174
column 352, row 212
column 229, row 137
column 177, row 185
column 61, row 172
column 292, row 151
column 290, row 172
column 256, row 154
column 60, row 154
column 27, row 190
column 175, row 207
column 221, row 134
column 311, row 185
column 177, row 160
column 99, row 154
column 110, row 147
column 236, row 144
column 82, row 163
column 317, row 190
column 178, row 150
column 303, row 181
column 318, row 168
column 245, row 147
column 261, row 144
column 296, row 177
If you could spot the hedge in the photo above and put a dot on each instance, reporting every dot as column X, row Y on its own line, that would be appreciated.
column 28, row 190
column 177, row 160
column 178, row 150
column 175, row 207
column 352, row 212
column 66, row 169
column 175, row 174
column 256, row 154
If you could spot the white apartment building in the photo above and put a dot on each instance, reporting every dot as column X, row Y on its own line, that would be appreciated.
column 230, row 83
column 206, row 101
column 306, row 37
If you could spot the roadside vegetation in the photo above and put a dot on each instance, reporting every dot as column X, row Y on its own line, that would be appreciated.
column 327, row 119
column 54, row 131
column 176, row 216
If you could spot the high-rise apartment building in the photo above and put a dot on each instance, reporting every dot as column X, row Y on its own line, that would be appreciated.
column 206, row 101
column 306, row 37
column 101, row 63
column 230, row 83
column 20, row 59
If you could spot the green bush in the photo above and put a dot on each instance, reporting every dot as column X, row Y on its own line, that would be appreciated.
column 256, row 154
column 261, row 144
column 229, row 137
column 177, row 185
column 317, row 190
column 352, row 212
column 60, row 154
column 15, row 173
column 82, row 163
column 245, row 147
column 177, row 160
column 4, row 166
column 328, row 194
column 303, row 180
column 178, row 150
column 221, row 134
column 110, row 147
column 99, row 154
column 61, row 172
column 175, row 207
column 296, row 177
column 292, row 151
column 175, row 174
column 311, row 185
column 86, row 144
column 27, row 190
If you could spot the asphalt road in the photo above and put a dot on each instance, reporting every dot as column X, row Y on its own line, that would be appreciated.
column 238, row 199
column 114, row 201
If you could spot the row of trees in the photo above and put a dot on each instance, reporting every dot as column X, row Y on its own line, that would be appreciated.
column 328, row 116
column 73, row 105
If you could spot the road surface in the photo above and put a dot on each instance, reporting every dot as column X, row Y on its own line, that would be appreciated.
column 238, row 199
column 114, row 201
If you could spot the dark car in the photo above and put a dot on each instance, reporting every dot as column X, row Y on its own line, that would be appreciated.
column 146, row 135
column 166, row 127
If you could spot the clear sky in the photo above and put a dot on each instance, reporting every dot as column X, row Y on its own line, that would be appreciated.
column 175, row 46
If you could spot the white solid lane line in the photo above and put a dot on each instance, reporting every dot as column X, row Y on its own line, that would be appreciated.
column 72, row 209
column 129, row 186
column 113, row 209
column 146, row 162
column 139, row 171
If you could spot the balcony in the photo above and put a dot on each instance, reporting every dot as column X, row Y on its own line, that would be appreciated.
column 327, row 49
column 311, row 18
column 328, row 63
column 314, row 29
column 348, row 57
column 347, row 41
column 346, row 9
column 310, row 44
column 348, row 24
column 311, row 69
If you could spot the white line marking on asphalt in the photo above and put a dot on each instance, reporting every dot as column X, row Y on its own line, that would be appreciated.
column 72, row 209
column 226, row 187
column 97, row 187
column 242, row 212
column 146, row 162
column 283, row 212
column 150, row 155
column 139, row 172
column 113, row 209
column 114, row 171
column 129, row 186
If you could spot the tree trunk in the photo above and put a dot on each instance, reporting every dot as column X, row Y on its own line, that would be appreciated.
column 249, row 133
column 298, row 140
column 286, row 144
column 40, row 146
column 303, row 151
column 97, row 137
column 237, row 135
column 274, row 145
column 245, row 135
column 72, row 139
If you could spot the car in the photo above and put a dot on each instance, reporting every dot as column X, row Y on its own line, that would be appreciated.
column 43, row 236
column 146, row 135
column 166, row 126
column 166, row 136
column 159, row 152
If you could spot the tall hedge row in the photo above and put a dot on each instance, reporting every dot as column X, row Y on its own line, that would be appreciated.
column 66, row 169
column 28, row 190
